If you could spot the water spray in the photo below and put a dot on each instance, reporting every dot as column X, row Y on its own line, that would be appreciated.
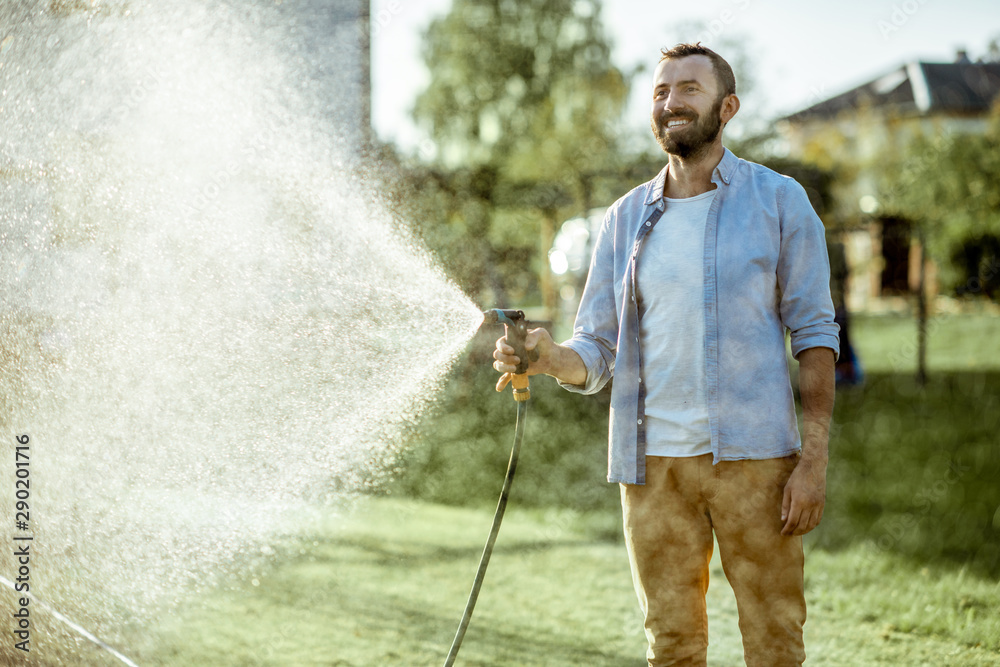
column 187, row 245
column 516, row 329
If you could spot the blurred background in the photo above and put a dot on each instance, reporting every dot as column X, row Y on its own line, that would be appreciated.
column 843, row 98
column 516, row 124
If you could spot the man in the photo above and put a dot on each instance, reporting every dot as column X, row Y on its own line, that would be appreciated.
column 695, row 277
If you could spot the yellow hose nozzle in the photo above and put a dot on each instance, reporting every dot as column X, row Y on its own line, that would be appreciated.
column 520, row 384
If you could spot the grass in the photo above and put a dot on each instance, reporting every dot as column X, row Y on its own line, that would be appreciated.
column 386, row 585
column 903, row 570
column 955, row 343
column 914, row 470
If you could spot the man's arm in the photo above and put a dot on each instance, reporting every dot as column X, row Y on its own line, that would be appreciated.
column 584, row 363
column 806, row 308
column 805, row 492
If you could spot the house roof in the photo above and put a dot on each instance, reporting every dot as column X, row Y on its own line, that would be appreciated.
column 920, row 87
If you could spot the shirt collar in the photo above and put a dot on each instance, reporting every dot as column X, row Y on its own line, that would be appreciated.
column 723, row 171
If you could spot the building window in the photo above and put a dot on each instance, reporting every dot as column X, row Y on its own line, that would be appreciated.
column 896, row 256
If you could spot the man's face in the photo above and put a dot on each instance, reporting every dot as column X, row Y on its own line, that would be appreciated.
column 687, row 105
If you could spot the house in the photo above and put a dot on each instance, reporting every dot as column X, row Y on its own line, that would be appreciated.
column 853, row 134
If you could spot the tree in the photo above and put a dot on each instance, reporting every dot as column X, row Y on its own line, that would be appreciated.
column 946, row 185
column 522, row 106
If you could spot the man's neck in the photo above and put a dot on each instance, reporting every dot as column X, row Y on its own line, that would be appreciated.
column 692, row 176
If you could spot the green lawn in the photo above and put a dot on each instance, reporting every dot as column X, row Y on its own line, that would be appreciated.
column 904, row 569
column 386, row 585
column 888, row 343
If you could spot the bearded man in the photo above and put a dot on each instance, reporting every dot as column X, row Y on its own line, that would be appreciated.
column 696, row 276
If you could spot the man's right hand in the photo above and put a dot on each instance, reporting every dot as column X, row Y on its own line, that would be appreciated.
column 556, row 360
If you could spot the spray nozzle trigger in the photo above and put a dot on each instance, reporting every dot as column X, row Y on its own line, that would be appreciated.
column 516, row 327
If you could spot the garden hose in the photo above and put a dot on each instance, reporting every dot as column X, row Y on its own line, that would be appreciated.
column 484, row 561
column 77, row 628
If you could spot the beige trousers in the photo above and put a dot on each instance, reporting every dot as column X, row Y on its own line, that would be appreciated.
column 669, row 523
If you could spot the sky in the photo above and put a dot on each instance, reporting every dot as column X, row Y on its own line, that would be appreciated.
column 802, row 52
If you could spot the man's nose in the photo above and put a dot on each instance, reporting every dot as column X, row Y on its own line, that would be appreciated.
column 673, row 103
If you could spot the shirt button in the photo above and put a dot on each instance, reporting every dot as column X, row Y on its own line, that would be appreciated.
column 649, row 224
column 640, row 421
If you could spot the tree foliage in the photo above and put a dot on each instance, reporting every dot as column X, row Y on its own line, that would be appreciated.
column 527, row 87
column 523, row 105
column 947, row 185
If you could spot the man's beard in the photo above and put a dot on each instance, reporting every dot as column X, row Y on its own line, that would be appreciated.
column 692, row 138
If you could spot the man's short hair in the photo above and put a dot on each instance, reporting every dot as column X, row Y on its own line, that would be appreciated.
column 723, row 72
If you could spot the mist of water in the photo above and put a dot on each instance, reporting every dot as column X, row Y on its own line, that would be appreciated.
column 210, row 325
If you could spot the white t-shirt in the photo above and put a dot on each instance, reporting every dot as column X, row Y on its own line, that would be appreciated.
column 670, row 289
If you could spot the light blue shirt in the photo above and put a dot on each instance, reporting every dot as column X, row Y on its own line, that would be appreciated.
column 766, row 270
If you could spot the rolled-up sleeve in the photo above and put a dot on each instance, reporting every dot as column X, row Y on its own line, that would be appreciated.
column 806, row 307
column 595, row 332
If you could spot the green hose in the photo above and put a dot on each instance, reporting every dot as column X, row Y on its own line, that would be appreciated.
column 484, row 560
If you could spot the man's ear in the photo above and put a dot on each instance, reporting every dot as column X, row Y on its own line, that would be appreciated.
column 730, row 106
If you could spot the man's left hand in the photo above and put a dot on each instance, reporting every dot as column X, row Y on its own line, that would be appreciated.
column 805, row 496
